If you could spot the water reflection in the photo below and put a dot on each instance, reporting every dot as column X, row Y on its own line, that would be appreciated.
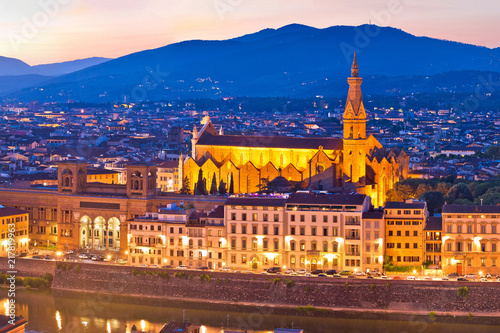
column 79, row 313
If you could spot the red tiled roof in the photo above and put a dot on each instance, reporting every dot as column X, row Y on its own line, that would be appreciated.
column 8, row 211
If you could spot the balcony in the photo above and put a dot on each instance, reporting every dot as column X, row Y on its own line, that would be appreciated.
column 352, row 223
column 313, row 253
column 356, row 254
column 353, row 237
column 458, row 253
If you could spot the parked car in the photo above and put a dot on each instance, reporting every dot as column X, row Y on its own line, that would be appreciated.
column 83, row 256
column 274, row 270
column 384, row 277
column 301, row 271
column 225, row 269
column 345, row 273
column 488, row 276
column 411, row 278
column 317, row 271
column 331, row 272
column 462, row 279
column 453, row 275
column 307, row 274
column 351, row 277
column 444, row 278
column 264, row 272
column 154, row 266
column 69, row 252
column 397, row 277
column 166, row 266
column 181, row 267
column 358, row 273
column 293, row 273
column 36, row 257
column 337, row 276
column 484, row 280
column 370, row 277
column 47, row 257
column 374, row 273
column 203, row 268
column 289, row 271
column 470, row 276
column 121, row 261
column 22, row 255
column 322, row 275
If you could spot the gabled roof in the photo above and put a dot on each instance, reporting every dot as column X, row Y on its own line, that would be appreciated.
column 270, row 142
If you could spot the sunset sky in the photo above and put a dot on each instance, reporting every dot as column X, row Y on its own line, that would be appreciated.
column 47, row 31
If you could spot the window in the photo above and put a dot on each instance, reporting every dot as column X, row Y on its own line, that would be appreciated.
column 233, row 259
column 494, row 262
column 469, row 247
column 469, row 229
column 406, row 212
column 407, row 245
column 493, row 247
column 483, row 262
column 302, row 246
column 264, row 244
column 254, row 217
column 302, row 218
column 377, row 225
column 398, row 233
column 415, row 233
column 367, row 224
column 335, row 247
column 325, row 246
column 313, row 231
column 276, row 218
column 483, row 247
column 233, row 216
column 219, row 233
column 415, row 245
column 325, row 232
column 459, row 229
column 233, row 228
column 376, row 235
column 292, row 246
column 265, row 217
column 292, row 230
column 407, row 233
column 254, row 244
column 448, row 247
column 276, row 245
column 302, row 231
column 313, row 218
column 264, row 230
column 416, row 212
column 243, row 259
column 254, row 229
column 448, row 229
column 368, row 234
column 276, row 230
column 335, row 232
column 398, row 245
column 243, row 229
column 367, row 247
column 493, row 229
column 335, row 219
column 292, row 218
column 243, row 216
column 244, row 244
column 390, row 232
column 325, row 218
column 483, row 229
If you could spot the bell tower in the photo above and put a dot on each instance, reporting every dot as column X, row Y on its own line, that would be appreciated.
column 354, row 121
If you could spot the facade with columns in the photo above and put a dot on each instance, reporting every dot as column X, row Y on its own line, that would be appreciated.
column 354, row 161
column 84, row 215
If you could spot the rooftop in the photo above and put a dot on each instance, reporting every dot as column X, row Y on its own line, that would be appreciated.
column 326, row 199
column 9, row 211
column 467, row 209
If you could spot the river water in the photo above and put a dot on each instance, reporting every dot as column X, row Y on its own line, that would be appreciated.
column 55, row 312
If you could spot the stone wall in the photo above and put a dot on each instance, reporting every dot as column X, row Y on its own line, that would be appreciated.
column 230, row 287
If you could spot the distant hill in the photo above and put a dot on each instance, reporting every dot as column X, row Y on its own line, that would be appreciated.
column 67, row 67
column 295, row 60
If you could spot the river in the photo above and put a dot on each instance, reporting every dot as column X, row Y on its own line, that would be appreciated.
column 61, row 312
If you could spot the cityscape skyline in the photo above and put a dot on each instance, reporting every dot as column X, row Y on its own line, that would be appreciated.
column 55, row 30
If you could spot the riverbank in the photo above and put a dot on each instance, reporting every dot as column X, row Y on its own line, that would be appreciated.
column 476, row 318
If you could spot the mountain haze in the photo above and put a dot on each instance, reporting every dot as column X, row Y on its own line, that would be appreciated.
column 295, row 60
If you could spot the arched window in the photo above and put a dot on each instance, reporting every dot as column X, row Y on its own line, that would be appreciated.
column 200, row 243
column 136, row 185
column 190, row 242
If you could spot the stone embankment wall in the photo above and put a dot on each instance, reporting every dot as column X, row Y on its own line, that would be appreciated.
column 264, row 289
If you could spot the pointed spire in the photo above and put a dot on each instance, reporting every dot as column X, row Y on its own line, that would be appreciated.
column 354, row 68
column 195, row 132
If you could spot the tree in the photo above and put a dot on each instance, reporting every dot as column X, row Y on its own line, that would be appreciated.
column 185, row 189
column 222, row 187
column 422, row 188
column 459, row 191
column 200, row 187
column 434, row 199
column 213, row 188
column 231, row 184
column 400, row 192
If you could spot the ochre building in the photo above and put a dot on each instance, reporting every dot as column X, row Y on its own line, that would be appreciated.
column 356, row 161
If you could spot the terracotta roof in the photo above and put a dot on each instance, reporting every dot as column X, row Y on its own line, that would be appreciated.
column 373, row 215
column 271, row 142
column 326, row 199
column 169, row 164
column 8, row 211
column 217, row 212
column 403, row 205
column 256, row 201
column 470, row 209
column 434, row 223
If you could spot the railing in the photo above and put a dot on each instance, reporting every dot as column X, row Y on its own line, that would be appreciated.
column 313, row 253
column 350, row 237
column 352, row 254
column 459, row 253
column 352, row 223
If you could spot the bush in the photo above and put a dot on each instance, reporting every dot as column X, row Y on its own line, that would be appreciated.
column 277, row 281
column 47, row 276
column 204, row 277
column 27, row 282
column 164, row 275
column 347, row 285
column 289, row 283
column 135, row 272
column 308, row 289
column 463, row 291
column 372, row 287
column 19, row 281
column 432, row 316
column 218, row 281
column 77, row 268
column 388, row 284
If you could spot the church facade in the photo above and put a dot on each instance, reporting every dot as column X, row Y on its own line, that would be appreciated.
column 356, row 162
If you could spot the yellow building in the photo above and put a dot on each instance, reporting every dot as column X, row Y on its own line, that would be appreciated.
column 104, row 176
column 168, row 176
column 357, row 161
column 404, row 227
column 14, row 224
column 471, row 239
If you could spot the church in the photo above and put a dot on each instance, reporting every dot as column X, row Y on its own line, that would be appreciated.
column 354, row 163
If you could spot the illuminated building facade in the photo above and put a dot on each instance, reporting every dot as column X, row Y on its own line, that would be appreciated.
column 20, row 219
column 471, row 239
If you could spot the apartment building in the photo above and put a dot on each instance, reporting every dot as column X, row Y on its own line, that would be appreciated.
column 404, row 227
column 255, row 232
column 373, row 226
column 471, row 239
column 433, row 233
column 161, row 238
column 216, row 238
column 15, row 222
